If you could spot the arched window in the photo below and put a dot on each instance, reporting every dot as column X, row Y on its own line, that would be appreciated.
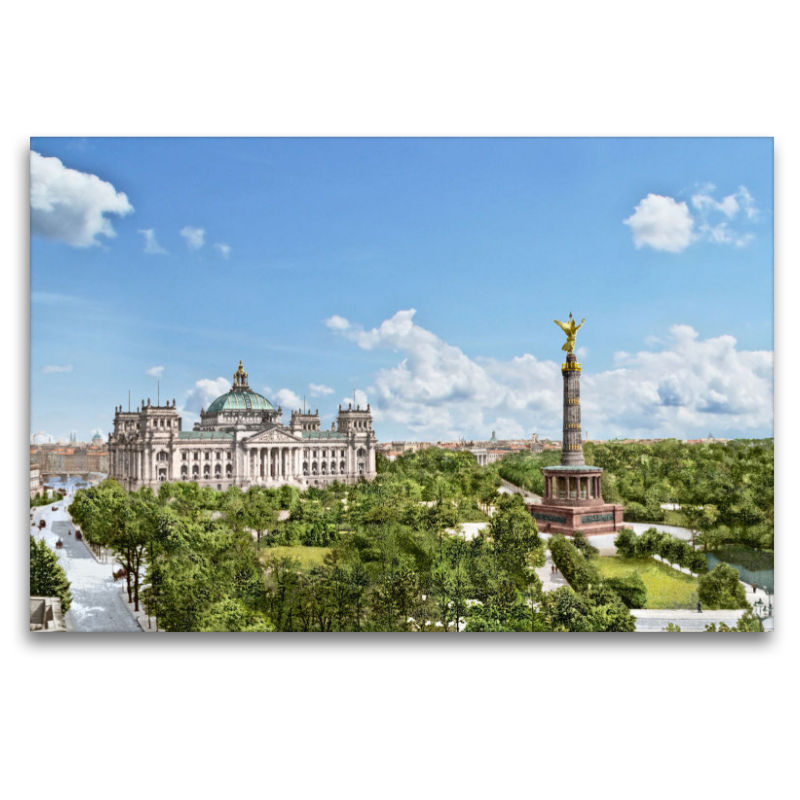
column 305, row 468
column 314, row 468
column 361, row 452
column 218, row 470
column 195, row 471
column 324, row 468
column 229, row 470
column 342, row 467
column 207, row 471
column 184, row 472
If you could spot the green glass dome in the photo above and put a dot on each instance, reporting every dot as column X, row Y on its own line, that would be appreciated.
column 239, row 400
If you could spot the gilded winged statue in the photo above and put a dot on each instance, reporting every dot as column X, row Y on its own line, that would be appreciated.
column 571, row 329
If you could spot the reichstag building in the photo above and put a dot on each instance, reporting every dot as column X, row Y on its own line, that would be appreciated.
column 240, row 441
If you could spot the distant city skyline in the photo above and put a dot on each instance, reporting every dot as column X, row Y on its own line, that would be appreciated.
column 419, row 275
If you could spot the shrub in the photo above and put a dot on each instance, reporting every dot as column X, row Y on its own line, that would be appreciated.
column 650, row 543
column 626, row 543
column 721, row 588
column 582, row 543
column 697, row 563
column 631, row 589
column 635, row 512
column 579, row 573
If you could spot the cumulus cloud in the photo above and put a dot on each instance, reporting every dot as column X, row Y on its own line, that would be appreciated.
column 151, row 245
column 195, row 237
column 71, row 206
column 286, row 398
column 336, row 323
column 661, row 223
column 224, row 249
column 319, row 389
column 685, row 387
column 665, row 224
column 155, row 372
column 357, row 399
column 50, row 368
column 203, row 393
column 42, row 437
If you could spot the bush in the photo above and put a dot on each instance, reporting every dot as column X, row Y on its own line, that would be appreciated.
column 631, row 590
column 579, row 573
column 582, row 543
column 721, row 588
column 697, row 563
column 635, row 512
column 626, row 543
column 650, row 543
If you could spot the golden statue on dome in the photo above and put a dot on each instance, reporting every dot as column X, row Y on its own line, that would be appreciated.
column 571, row 329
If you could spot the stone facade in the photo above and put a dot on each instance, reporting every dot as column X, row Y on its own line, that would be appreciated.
column 36, row 480
column 240, row 441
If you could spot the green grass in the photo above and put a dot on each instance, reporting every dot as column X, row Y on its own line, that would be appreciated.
column 666, row 587
column 307, row 556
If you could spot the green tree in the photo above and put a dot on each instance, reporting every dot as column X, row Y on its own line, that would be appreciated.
column 47, row 576
column 721, row 588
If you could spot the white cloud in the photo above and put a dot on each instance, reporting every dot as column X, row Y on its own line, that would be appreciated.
column 336, row 323
column 71, row 206
column 151, row 245
column 155, row 372
column 730, row 206
column 319, row 389
column 42, row 437
column 687, row 387
column 203, row 393
column 195, row 237
column 287, row 399
column 357, row 399
column 661, row 223
column 50, row 368
column 665, row 224
column 224, row 249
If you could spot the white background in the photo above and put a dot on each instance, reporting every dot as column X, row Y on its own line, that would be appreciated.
column 390, row 716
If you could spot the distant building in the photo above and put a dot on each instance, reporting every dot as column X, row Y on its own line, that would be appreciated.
column 240, row 441
column 536, row 445
column 36, row 479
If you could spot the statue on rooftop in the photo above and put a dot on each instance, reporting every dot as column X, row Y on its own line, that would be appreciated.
column 571, row 329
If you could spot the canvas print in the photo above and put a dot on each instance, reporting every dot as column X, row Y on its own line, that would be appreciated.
column 421, row 385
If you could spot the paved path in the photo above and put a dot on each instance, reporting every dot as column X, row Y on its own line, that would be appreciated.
column 96, row 604
column 550, row 580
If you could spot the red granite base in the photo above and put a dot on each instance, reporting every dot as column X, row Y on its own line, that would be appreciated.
column 568, row 519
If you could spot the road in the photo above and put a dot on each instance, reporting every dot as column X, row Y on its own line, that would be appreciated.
column 96, row 604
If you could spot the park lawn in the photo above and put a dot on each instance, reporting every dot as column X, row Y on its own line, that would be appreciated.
column 307, row 556
column 666, row 587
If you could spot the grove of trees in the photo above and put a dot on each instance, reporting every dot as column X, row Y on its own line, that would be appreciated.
column 726, row 491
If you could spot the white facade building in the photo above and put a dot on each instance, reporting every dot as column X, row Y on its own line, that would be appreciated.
column 240, row 441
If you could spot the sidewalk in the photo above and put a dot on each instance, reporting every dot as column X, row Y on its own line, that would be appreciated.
column 550, row 581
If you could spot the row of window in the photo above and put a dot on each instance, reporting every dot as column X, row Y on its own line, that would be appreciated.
column 207, row 471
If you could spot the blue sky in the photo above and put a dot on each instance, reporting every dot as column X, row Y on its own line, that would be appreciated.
column 424, row 274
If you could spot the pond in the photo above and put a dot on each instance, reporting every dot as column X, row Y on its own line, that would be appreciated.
column 754, row 566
